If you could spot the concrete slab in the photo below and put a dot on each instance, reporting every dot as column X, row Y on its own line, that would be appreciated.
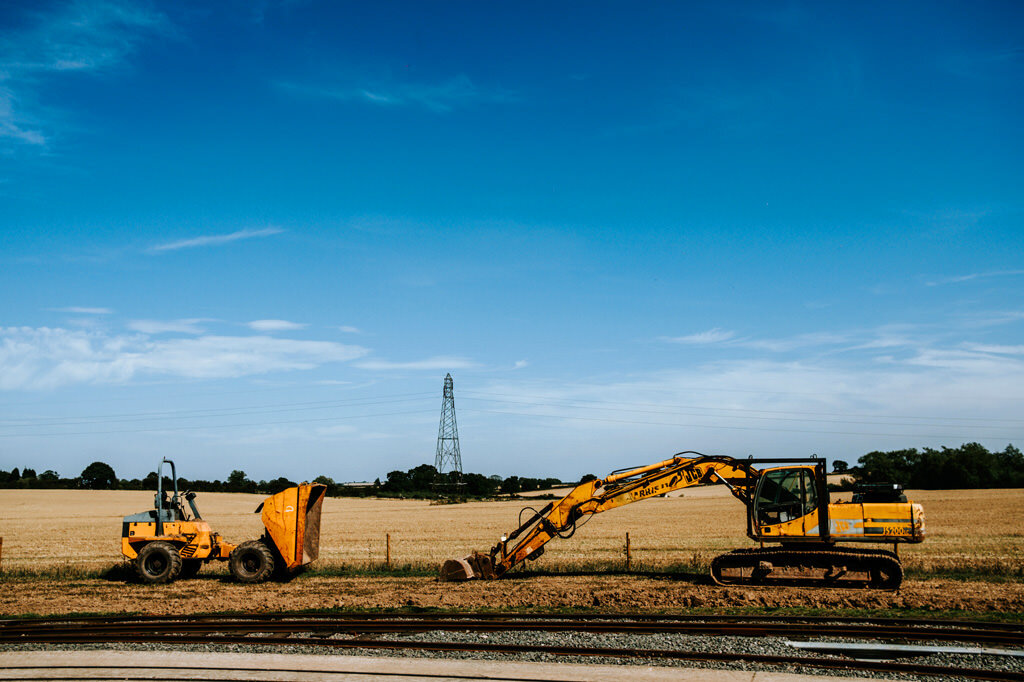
column 191, row 665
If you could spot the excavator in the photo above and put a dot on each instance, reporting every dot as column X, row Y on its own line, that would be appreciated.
column 166, row 543
column 788, row 508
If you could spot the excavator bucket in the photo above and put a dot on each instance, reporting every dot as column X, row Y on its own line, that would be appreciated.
column 476, row 565
column 292, row 520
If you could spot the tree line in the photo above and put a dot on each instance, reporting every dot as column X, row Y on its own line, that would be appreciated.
column 969, row 466
column 421, row 482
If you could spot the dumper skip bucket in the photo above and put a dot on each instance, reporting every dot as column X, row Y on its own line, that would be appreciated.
column 292, row 520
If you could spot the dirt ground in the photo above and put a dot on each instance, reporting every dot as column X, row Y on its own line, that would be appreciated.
column 606, row 593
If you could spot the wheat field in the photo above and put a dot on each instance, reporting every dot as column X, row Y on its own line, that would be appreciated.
column 79, row 531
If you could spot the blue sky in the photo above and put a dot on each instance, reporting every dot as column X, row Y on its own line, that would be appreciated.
column 257, row 235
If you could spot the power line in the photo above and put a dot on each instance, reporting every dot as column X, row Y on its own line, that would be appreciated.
column 211, row 426
column 740, row 428
column 734, row 409
column 212, row 412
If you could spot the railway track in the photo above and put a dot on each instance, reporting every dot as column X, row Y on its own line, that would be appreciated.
column 381, row 632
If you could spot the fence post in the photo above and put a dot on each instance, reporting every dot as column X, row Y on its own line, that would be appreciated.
column 388, row 555
column 1, row 555
column 628, row 557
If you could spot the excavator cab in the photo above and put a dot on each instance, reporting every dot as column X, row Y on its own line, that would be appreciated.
column 785, row 494
column 788, row 502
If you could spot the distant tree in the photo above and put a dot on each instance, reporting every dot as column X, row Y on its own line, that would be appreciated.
column 238, row 482
column 511, row 485
column 839, row 466
column 332, row 487
column 277, row 485
column 99, row 476
column 50, row 476
column 15, row 475
column 423, row 477
column 398, row 482
column 587, row 478
column 28, row 473
column 477, row 485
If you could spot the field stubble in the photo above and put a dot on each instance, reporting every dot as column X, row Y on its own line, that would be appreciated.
column 77, row 532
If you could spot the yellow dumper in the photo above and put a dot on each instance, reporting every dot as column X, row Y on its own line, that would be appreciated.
column 166, row 542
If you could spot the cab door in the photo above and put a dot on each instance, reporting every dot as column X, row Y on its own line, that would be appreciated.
column 786, row 503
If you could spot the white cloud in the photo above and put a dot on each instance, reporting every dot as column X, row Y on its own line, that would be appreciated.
column 190, row 326
column 275, row 325
column 1000, row 350
column 83, row 37
column 434, row 363
column 216, row 239
column 715, row 335
column 975, row 275
column 828, row 405
column 444, row 97
column 350, row 330
column 39, row 358
column 783, row 345
column 520, row 364
column 83, row 311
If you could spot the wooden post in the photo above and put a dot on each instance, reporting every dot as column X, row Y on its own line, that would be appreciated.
column 628, row 557
column 1, row 555
column 388, row 555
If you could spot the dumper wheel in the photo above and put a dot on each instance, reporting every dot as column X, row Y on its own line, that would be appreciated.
column 251, row 562
column 158, row 563
column 190, row 567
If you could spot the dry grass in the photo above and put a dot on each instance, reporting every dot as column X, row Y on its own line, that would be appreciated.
column 77, row 532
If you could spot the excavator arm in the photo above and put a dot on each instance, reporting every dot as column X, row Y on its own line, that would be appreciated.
column 559, row 519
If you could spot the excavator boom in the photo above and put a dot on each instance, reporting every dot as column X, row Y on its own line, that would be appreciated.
column 615, row 490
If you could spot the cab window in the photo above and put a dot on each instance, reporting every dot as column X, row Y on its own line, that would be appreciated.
column 786, row 494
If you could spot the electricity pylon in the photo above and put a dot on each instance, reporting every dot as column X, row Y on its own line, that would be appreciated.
column 448, row 459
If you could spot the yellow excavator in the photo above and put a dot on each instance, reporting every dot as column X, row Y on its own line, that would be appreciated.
column 166, row 542
column 786, row 505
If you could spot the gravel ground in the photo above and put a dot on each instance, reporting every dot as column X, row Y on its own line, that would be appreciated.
column 752, row 645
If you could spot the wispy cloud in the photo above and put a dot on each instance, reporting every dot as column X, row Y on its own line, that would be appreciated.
column 77, row 310
column 80, row 36
column 444, row 97
column 190, row 326
column 434, row 363
column 996, row 349
column 44, row 358
column 882, row 337
column 215, row 239
column 715, row 335
column 975, row 275
column 350, row 330
column 275, row 325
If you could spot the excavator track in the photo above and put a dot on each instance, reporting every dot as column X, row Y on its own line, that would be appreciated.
column 826, row 567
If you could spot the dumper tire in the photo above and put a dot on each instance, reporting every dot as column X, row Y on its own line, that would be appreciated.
column 158, row 563
column 251, row 562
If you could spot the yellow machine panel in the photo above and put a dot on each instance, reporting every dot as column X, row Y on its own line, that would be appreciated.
column 292, row 520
